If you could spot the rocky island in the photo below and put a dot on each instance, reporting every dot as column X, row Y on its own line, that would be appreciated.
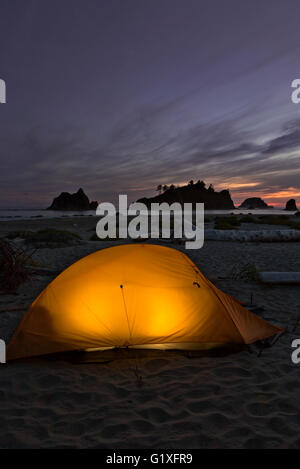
column 192, row 193
column 291, row 206
column 77, row 201
column 253, row 203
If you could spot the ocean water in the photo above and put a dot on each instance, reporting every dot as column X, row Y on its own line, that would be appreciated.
column 237, row 211
column 15, row 214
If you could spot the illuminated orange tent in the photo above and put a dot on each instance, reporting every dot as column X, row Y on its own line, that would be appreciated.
column 137, row 295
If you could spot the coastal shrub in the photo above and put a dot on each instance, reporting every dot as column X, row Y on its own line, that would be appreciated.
column 283, row 220
column 226, row 223
column 51, row 237
column 13, row 262
column 94, row 237
column 246, row 271
column 231, row 220
column 248, row 219
column 224, row 226
column 19, row 234
column 280, row 220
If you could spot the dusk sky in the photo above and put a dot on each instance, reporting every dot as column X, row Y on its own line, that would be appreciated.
column 118, row 96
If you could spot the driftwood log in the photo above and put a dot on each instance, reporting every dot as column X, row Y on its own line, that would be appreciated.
column 282, row 278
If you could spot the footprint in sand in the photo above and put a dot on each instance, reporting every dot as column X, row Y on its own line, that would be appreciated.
column 278, row 425
column 156, row 414
column 113, row 431
column 156, row 364
column 199, row 407
column 260, row 409
column 142, row 426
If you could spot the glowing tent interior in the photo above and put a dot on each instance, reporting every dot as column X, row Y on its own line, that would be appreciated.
column 134, row 295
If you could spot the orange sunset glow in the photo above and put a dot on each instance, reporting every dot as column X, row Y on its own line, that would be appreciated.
column 276, row 198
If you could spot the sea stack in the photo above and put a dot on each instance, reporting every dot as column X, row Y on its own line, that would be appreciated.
column 77, row 201
column 291, row 205
column 254, row 203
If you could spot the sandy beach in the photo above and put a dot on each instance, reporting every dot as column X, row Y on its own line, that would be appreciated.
column 159, row 399
column 168, row 116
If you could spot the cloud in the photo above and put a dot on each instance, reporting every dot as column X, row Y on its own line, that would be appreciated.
column 149, row 147
column 288, row 141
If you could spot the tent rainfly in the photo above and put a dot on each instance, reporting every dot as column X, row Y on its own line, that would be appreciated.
column 135, row 295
